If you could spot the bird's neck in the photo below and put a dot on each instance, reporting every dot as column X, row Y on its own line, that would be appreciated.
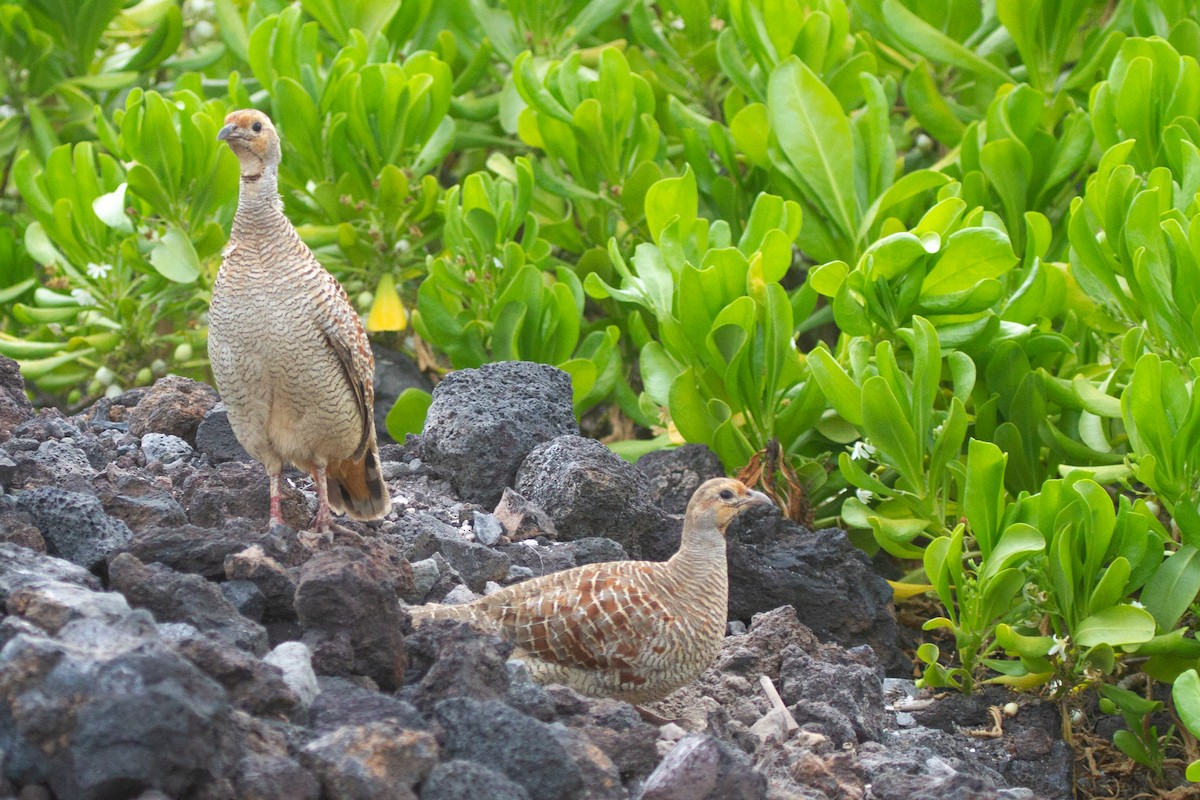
column 259, row 205
column 701, row 554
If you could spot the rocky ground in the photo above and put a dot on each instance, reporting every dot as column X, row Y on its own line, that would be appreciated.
column 161, row 642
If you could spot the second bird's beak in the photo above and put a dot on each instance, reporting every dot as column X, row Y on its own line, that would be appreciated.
column 755, row 498
column 224, row 133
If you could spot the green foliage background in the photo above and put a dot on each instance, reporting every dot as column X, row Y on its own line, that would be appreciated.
column 946, row 254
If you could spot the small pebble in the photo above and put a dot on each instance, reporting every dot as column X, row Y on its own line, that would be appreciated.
column 488, row 529
column 518, row 573
column 737, row 627
column 425, row 575
column 458, row 595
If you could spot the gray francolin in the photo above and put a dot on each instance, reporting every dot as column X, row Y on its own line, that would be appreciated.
column 290, row 357
column 633, row 630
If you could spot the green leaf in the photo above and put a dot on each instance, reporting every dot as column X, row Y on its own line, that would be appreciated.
column 928, row 41
column 815, row 136
column 1185, row 694
column 407, row 414
column 1116, row 626
column 890, row 431
column 175, row 258
column 970, row 255
column 670, row 199
column 1174, row 587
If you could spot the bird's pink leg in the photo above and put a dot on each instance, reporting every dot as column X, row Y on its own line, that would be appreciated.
column 324, row 518
column 276, row 498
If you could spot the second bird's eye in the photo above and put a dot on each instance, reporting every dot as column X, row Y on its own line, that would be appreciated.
column 726, row 494
column 256, row 127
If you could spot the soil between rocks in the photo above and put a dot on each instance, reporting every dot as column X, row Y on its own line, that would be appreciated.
column 160, row 641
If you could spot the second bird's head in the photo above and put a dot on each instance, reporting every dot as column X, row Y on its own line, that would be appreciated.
column 252, row 137
column 719, row 500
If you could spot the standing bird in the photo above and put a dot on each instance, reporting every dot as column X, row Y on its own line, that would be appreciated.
column 291, row 359
column 633, row 630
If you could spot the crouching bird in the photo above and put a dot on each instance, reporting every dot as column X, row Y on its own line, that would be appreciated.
column 290, row 357
column 633, row 630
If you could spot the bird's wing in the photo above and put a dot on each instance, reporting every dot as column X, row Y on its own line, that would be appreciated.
column 345, row 337
column 600, row 619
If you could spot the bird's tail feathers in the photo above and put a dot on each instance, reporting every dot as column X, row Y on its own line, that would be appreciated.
column 357, row 489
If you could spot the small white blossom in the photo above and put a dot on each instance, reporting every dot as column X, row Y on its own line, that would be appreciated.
column 1136, row 604
column 98, row 271
column 83, row 297
column 677, row 24
column 403, row 246
column 864, row 496
column 861, row 451
column 497, row 263
column 1059, row 648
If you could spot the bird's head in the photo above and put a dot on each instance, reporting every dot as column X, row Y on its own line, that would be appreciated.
column 252, row 137
column 719, row 500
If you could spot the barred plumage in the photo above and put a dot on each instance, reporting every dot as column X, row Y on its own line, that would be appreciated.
column 633, row 630
column 290, row 357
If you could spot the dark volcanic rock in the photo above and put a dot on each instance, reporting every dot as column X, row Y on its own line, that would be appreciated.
column 106, row 711
column 74, row 525
column 273, row 777
column 342, row 703
column 51, row 605
column 346, row 603
column 252, row 686
column 15, row 407
column 841, row 690
column 619, row 731
column 146, row 506
column 165, row 448
column 215, row 438
column 520, row 747
column 475, row 563
column 701, row 767
column 589, row 491
column 450, row 659
column 54, row 463
column 1029, row 752
column 676, row 474
column 483, row 422
column 375, row 761
column 822, row 575
column 272, row 579
column 20, row 566
column 173, row 405
column 215, row 495
column 175, row 597
column 246, row 597
column 16, row 527
column 202, row 551
column 469, row 780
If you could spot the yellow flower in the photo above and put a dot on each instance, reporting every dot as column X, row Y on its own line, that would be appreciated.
column 387, row 312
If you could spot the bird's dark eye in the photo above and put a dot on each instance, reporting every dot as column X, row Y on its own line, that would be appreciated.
column 256, row 127
column 726, row 494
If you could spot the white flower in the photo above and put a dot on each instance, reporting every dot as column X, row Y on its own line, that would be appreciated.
column 862, row 450
column 677, row 23
column 98, row 271
column 83, row 297
column 864, row 496
column 1060, row 646
column 1136, row 604
column 497, row 263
